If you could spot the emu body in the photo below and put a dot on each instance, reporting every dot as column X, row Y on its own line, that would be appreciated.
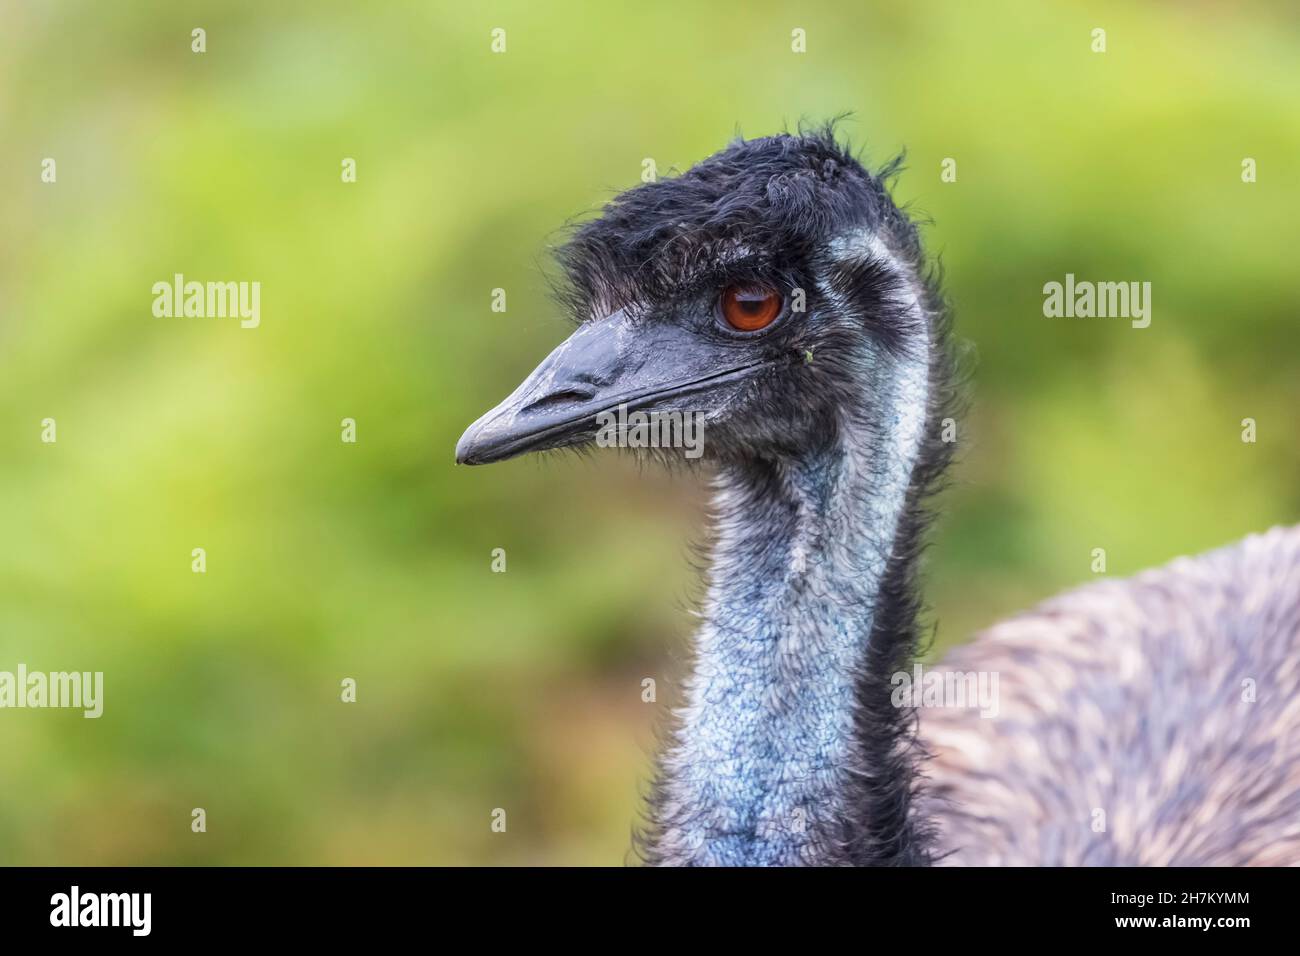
column 1153, row 721
column 823, row 430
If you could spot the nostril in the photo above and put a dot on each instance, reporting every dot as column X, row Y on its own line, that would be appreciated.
column 569, row 396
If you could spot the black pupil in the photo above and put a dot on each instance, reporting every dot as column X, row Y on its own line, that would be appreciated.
column 751, row 302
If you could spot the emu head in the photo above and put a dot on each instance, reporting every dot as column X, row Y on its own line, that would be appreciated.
column 756, row 292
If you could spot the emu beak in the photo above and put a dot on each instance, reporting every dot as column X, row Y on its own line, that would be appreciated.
column 605, row 364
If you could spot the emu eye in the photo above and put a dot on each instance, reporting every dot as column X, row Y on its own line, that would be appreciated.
column 749, row 308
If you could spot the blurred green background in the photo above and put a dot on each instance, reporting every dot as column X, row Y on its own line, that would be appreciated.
column 372, row 560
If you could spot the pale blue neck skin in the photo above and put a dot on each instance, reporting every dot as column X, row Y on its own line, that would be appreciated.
column 767, row 724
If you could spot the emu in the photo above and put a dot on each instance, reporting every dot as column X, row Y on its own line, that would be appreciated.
column 776, row 290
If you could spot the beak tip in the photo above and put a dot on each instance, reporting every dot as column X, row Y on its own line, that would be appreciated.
column 465, row 448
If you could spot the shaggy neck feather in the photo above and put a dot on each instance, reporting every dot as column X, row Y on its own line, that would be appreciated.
column 760, row 771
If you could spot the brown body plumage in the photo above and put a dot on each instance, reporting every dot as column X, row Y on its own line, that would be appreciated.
column 1152, row 721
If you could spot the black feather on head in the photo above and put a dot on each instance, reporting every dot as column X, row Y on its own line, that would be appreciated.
column 761, row 208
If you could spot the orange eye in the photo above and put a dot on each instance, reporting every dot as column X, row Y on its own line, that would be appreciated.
column 750, row 308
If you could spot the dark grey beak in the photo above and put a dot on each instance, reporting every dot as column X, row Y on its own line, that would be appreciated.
column 605, row 364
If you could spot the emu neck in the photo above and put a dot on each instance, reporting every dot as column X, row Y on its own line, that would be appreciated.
column 769, row 764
